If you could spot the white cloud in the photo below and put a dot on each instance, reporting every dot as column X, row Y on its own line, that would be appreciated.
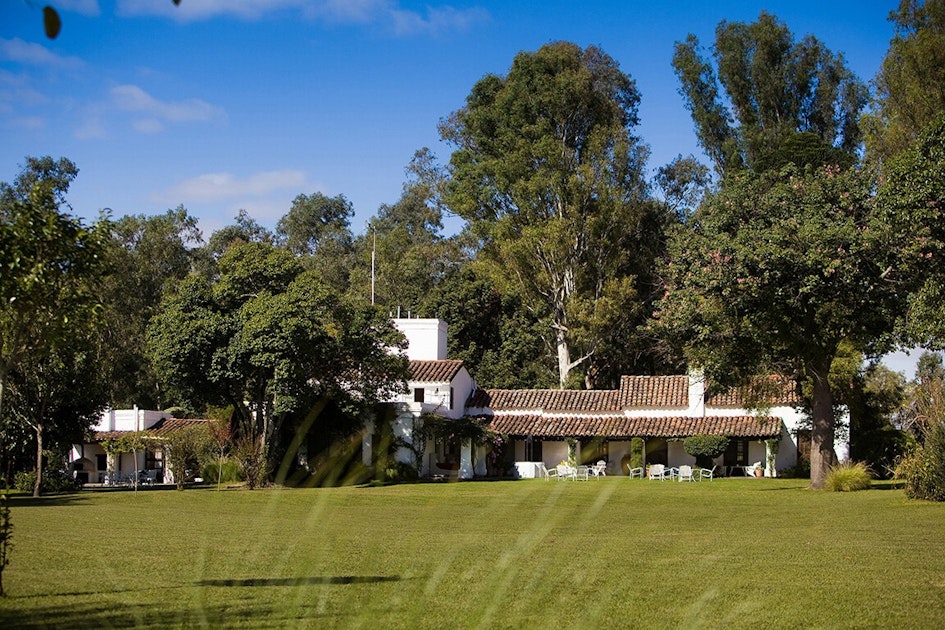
column 153, row 113
column 219, row 187
column 385, row 13
column 28, row 53
column 195, row 10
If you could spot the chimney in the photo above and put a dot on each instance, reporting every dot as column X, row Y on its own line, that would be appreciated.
column 696, row 394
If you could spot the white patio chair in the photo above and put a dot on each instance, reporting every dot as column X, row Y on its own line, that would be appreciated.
column 546, row 473
column 684, row 473
column 705, row 473
column 657, row 471
column 599, row 469
column 635, row 472
column 566, row 472
column 581, row 473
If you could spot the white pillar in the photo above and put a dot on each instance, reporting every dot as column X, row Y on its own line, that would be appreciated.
column 465, row 460
column 367, row 443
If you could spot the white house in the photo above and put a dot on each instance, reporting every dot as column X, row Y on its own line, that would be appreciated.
column 547, row 426
column 92, row 464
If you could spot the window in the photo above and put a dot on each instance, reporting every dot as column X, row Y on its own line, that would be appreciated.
column 451, row 398
column 737, row 453
column 101, row 461
column 418, row 394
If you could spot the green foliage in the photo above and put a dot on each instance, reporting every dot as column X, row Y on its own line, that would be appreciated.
column 773, row 88
column 271, row 339
column 249, row 452
column 229, row 472
column 636, row 452
column 549, row 175
column 848, row 477
column 923, row 470
column 774, row 273
column 909, row 206
column 401, row 472
column 910, row 86
column 53, row 481
column 705, row 448
column 184, row 449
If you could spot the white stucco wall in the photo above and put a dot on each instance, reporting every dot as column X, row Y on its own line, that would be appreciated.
column 426, row 338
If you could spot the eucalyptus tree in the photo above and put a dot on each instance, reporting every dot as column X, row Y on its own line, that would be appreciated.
column 910, row 85
column 549, row 174
column 763, row 88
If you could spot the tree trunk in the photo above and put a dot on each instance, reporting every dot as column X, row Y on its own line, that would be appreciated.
column 39, row 460
column 822, row 455
column 564, row 356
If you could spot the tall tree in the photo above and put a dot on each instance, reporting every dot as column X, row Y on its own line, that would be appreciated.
column 911, row 208
column 773, row 274
column 910, row 86
column 764, row 88
column 547, row 171
column 50, row 261
column 272, row 340
column 319, row 228
column 410, row 253
column 150, row 255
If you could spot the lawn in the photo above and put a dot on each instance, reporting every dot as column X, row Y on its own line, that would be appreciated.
column 612, row 553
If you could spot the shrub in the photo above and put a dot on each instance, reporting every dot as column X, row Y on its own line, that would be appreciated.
column 400, row 472
column 231, row 472
column 705, row 448
column 636, row 452
column 848, row 477
column 924, row 469
column 53, row 481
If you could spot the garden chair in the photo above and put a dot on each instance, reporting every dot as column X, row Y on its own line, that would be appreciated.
column 684, row 473
column 580, row 473
column 705, row 473
column 566, row 472
column 599, row 469
column 635, row 472
column 547, row 474
column 657, row 471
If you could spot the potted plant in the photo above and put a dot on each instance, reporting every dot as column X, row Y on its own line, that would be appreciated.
column 758, row 469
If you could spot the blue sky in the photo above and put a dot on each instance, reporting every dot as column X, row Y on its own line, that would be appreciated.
column 223, row 105
column 227, row 104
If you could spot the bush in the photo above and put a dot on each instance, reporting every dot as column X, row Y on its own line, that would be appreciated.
column 924, row 469
column 53, row 481
column 636, row 452
column 848, row 477
column 231, row 472
column 705, row 448
column 401, row 472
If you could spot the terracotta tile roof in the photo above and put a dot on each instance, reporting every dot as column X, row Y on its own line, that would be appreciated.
column 160, row 429
column 774, row 391
column 622, row 427
column 654, row 391
column 598, row 400
column 434, row 371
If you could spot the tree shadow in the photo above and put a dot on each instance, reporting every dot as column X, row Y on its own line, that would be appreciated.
column 45, row 500
column 303, row 581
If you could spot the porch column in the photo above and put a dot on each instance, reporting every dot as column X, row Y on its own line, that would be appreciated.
column 367, row 443
column 465, row 460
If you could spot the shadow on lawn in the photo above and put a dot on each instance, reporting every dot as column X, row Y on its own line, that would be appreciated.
column 304, row 581
column 48, row 500
column 111, row 613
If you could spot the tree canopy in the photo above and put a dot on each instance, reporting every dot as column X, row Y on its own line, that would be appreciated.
column 272, row 339
column 764, row 88
column 772, row 274
column 910, row 85
column 548, row 173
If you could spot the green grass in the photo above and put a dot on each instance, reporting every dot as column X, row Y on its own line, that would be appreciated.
column 614, row 553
